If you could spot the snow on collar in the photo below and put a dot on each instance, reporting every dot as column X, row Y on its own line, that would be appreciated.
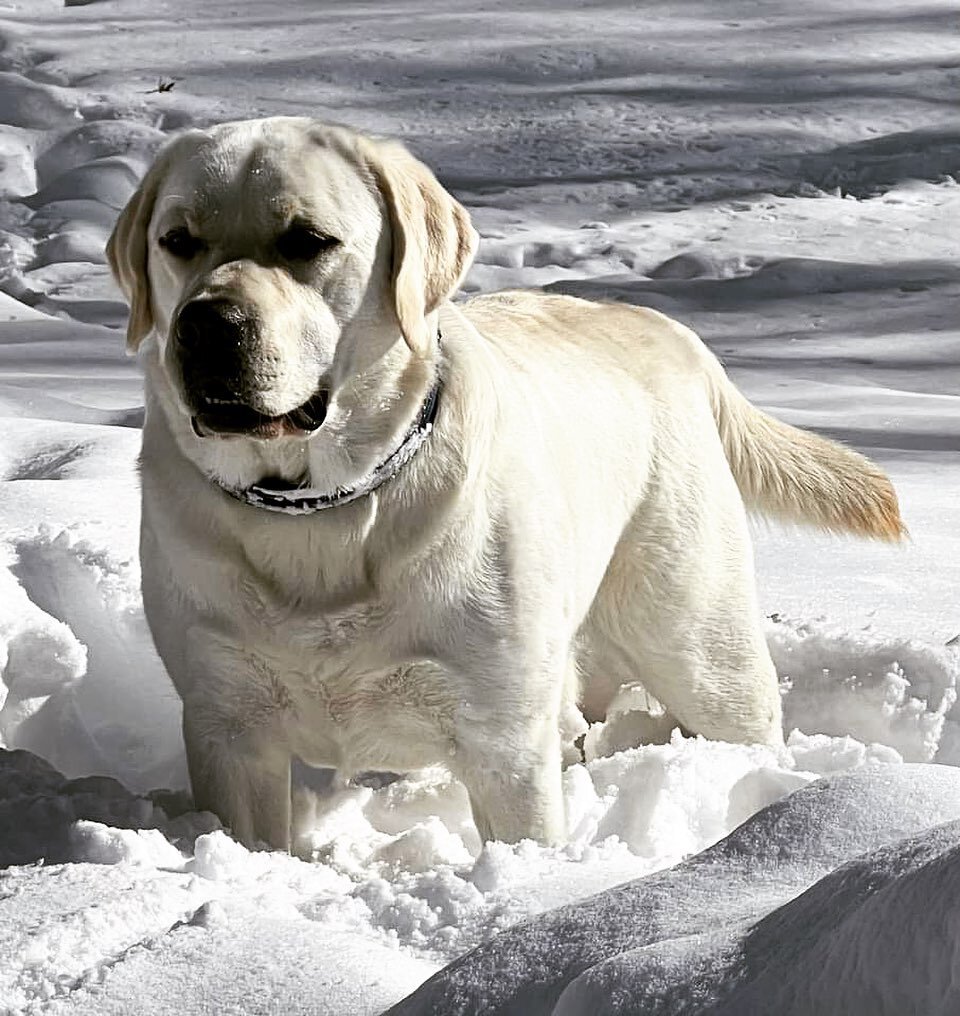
column 294, row 500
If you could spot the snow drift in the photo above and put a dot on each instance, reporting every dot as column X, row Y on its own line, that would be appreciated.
column 735, row 930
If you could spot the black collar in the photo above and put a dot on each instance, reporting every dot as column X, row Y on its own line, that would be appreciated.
column 294, row 500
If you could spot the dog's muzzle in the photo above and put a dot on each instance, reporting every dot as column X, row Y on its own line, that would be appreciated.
column 213, row 339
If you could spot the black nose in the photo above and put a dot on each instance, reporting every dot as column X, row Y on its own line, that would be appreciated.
column 211, row 339
column 210, row 328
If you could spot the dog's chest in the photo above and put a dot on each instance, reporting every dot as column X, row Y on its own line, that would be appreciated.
column 305, row 637
column 399, row 718
column 358, row 695
column 340, row 713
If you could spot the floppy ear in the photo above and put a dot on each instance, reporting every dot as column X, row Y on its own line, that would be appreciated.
column 433, row 238
column 127, row 254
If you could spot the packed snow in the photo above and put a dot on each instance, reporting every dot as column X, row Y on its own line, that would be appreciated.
column 731, row 931
column 783, row 179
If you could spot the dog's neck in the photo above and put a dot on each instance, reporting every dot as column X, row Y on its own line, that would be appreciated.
column 296, row 499
column 375, row 424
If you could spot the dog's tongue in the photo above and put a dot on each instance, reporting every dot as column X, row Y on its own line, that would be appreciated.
column 235, row 420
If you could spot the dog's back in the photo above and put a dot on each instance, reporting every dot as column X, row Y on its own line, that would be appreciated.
column 782, row 471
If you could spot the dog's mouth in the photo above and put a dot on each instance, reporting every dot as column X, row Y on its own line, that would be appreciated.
column 216, row 417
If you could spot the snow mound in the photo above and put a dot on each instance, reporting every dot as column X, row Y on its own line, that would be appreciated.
column 39, row 809
column 719, row 932
column 868, row 167
column 84, row 688
column 876, row 936
column 39, row 654
column 27, row 103
column 96, row 139
column 896, row 692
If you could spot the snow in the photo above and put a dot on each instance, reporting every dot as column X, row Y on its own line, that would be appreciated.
column 783, row 180
column 736, row 930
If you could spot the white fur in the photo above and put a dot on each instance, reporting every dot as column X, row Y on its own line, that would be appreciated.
column 572, row 525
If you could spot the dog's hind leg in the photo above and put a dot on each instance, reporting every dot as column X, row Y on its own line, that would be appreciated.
column 678, row 602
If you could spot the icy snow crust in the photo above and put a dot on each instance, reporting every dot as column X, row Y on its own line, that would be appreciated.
column 694, row 938
column 781, row 179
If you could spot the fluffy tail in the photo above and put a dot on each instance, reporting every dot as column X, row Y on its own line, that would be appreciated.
column 797, row 476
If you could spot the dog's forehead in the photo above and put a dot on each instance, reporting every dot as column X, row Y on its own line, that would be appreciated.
column 270, row 173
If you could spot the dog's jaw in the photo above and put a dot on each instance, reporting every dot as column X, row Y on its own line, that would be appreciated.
column 231, row 418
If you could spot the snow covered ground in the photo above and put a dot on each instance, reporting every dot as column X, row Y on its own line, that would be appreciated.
column 783, row 178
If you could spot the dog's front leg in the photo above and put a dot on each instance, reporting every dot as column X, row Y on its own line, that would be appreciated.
column 511, row 767
column 239, row 770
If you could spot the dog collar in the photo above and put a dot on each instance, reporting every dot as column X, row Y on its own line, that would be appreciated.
column 294, row 500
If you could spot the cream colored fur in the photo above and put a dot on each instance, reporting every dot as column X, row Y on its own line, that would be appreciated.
column 575, row 523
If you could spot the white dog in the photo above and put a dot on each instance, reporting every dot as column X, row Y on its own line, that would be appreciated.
column 383, row 531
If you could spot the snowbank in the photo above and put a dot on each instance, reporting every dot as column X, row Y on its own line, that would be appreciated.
column 735, row 930
column 415, row 898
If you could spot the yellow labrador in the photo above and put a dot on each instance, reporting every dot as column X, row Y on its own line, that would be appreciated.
column 383, row 531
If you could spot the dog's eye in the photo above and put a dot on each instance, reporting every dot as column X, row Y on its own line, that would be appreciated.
column 181, row 243
column 301, row 243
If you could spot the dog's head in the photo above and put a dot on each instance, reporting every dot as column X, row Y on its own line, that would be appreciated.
column 277, row 259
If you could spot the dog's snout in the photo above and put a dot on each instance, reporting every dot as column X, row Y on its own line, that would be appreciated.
column 212, row 325
column 213, row 350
